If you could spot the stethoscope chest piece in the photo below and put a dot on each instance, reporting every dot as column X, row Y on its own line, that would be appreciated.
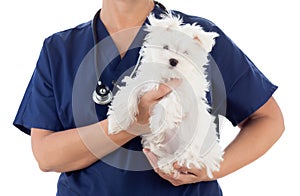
column 102, row 95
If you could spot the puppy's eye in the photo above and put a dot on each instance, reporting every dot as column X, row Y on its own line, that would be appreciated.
column 166, row 47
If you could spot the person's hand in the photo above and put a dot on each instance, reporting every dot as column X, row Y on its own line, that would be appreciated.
column 183, row 176
column 147, row 101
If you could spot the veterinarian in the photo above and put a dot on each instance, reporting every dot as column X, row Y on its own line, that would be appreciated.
column 69, row 130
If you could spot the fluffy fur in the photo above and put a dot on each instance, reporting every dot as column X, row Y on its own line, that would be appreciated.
column 182, row 129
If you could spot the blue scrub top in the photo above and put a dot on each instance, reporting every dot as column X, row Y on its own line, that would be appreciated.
column 59, row 97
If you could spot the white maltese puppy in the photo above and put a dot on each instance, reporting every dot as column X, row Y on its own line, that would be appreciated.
column 182, row 129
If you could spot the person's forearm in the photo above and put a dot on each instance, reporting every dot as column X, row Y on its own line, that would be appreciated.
column 75, row 148
column 80, row 147
column 254, row 139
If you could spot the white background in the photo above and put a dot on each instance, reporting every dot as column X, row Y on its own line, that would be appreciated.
column 267, row 31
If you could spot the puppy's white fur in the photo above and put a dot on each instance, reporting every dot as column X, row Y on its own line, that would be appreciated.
column 182, row 129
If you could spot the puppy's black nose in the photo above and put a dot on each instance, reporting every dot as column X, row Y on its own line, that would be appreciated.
column 173, row 62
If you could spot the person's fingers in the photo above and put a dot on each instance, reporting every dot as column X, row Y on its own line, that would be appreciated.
column 183, row 176
column 173, row 83
column 149, row 99
column 191, row 170
column 178, row 178
column 162, row 90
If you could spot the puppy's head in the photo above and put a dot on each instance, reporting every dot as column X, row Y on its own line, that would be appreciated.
column 175, row 44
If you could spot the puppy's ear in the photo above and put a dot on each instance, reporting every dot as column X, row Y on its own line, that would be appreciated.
column 205, row 39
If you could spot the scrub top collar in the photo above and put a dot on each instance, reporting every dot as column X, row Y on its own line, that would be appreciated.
column 102, row 31
column 111, row 58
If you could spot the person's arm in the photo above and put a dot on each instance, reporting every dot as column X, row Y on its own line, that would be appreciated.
column 67, row 150
column 78, row 148
column 258, row 133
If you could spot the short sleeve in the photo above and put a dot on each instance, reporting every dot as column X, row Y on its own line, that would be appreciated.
column 246, row 87
column 38, row 108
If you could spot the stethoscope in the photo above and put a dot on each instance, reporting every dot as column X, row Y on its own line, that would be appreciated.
column 102, row 94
